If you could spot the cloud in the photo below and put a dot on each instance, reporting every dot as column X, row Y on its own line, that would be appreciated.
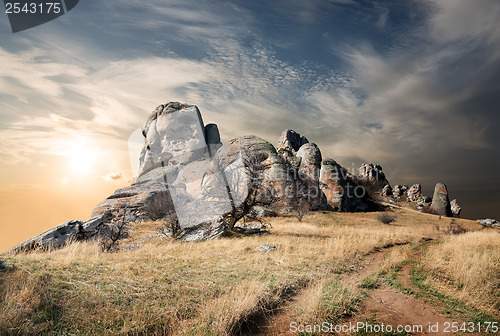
column 16, row 189
column 117, row 177
column 24, row 186
column 456, row 20
column 110, row 104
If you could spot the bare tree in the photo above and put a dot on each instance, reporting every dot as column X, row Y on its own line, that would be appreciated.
column 110, row 233
column 305, row 190
column 171, row 225
column 258, row 190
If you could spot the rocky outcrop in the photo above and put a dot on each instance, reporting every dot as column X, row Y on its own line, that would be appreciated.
column 63, row 234
column 489, row 222
column 332, row 183
column 291, row 140
column 372, row 172
column 174, row 135
column 310, row 161
column 386, row 191
column 250, row 162
column 177, row 176
column 414, row 193
column 6, row 266
column 260, row 211
column 423, row 203
column 455, row 208
column 440, row 201
column 186, row 175
column 399, row 190
column 207, row 230
column 306, row 183
column 339, row 191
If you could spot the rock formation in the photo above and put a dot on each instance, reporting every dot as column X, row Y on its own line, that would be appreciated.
column 489, row 222
column 455, row 208
column 6, row 266
column 187, row 176
column 399, row 190
column 341, row 193
column 291, row 140
column 201, row 182
column 372, row 172
column 177, row 176
column 414, row 193
column 63, row 233
column 386, row 190
column 440, row 201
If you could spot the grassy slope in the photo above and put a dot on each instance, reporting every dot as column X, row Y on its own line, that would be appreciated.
column 212, row 288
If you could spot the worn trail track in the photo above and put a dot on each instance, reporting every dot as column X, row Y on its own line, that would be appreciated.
column 384, row 304
column 390, row 306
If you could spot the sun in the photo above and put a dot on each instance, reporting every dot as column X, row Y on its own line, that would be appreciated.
column 81, row 160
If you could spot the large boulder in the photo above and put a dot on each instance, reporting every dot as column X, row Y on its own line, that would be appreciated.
column 456, row 209
column 386, row 190
column 332, row 181
column 399, row 190
column 414, row 193
column 489, row 222
column 174, row 135
column 310, row 161
column 259, row 211
column 64, row 234
column 6, row 266
column 291, row 140
column 339, row 191
column 372, row 172
column 204, row 231
column 141, row 201
column 440, row 202
column 250, row 162
column 307, row 177
column 177, row 176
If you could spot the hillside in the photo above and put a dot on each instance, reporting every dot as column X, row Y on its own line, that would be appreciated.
column 331, row 267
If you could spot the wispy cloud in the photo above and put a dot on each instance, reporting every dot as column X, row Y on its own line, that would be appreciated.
column 118, row 178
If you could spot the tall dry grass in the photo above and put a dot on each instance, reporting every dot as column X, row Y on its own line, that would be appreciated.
column 171, row 287
column 470, row 264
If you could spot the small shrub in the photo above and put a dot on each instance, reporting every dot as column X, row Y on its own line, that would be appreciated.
column 301, row 208
column 386, row 218
column 454, row 228
column 171, row 225
column 110, row 234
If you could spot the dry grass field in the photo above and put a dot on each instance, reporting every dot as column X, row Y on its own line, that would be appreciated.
column 228, row 287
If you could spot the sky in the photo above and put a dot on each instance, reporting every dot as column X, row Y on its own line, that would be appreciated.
column 411, row 85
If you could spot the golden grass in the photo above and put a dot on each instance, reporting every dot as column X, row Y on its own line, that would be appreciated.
column 394, row 258
column 212, row 287
column 470, row 263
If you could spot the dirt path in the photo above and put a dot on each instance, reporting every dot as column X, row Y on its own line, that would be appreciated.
column 389, row 306
column 293, row 309
column 300, row 307
column 370, row 264
column 385, row 305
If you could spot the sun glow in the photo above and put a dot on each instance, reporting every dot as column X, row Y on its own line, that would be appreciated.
column 81, row 160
